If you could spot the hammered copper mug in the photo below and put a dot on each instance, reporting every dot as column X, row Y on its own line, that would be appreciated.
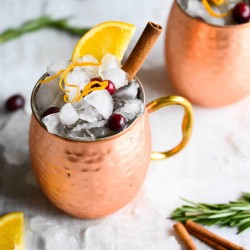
column 208, row 64
column 91, row 179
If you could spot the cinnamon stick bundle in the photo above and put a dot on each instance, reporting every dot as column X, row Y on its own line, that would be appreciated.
column 142, row 49
column 211, row 243
column 184, row 236
column 196, row 229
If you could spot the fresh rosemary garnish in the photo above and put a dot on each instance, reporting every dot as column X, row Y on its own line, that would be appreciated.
column 232, row 214
column 39, row 23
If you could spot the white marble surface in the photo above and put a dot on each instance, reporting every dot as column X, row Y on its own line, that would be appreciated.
column 214, row 167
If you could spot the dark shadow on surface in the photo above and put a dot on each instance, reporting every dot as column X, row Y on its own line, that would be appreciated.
column 17, row 194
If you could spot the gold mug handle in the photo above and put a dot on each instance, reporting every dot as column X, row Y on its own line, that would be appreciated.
column 187, row 122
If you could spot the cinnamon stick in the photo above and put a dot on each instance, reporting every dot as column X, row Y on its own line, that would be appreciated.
column 194, row 227
column 142, row 49
column 211, row 243
column 184, row 236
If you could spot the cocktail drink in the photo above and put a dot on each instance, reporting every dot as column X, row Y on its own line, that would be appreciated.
column 96, row 102
column 90, row 140
column 218, row 12
column 207, row 50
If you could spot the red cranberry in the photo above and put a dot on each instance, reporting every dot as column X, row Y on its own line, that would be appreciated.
column 49, row 111
column 116, row 122
column 14, row 103
column 241, row 13
column 111, row 87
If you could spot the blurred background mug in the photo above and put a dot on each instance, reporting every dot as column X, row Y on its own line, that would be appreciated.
column 91, row 179
column 207, row 64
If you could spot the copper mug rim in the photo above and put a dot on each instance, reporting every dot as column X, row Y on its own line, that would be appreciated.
column 187, row 122
column 35, row 113
column 231, row 26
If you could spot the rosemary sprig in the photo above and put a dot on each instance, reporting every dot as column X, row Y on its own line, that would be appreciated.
column 39, row 23
column 232, row 214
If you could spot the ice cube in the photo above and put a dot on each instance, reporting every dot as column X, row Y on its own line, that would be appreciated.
column 102, row 132
column 89, row 125
column 131, row 109
column 72, row 92
column 127, row 92
column 80, row 105
column 117, row 76
column 79, row 78
column 183, row 3
column 92, row 71
column 85, row 135
column 51, row 122
column 56, row 67
column 109, row 62
column 102, row 101
column 118, row 103
column 87, row 58
column 68, row 114
column 86, row 111
column 90, row 114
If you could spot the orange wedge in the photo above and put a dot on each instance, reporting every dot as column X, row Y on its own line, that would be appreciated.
column 11, row 231
column 106, row 38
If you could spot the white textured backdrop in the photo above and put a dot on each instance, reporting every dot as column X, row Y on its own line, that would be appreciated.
column 214, row 167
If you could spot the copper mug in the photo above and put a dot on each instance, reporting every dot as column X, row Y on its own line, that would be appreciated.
column 208, row 64
column 93, row 179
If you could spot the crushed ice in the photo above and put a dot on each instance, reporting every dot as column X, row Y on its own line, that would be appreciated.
column 102, row 101
column 51, row 122
column 130, row 109
column 127, row 92
column 92, row 71
column 79, row 77
column 14, row 137
column 196, row 9
column 86, row 119
column 117, row 76
column 137, row 226
column 68, row 114
column 55, row 67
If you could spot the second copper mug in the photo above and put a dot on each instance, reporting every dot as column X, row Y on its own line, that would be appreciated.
column 208, row 64
column 93, row 179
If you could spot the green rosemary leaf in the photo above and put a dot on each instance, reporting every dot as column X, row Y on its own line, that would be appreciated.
column 243, row 227
column 220, row 215
column 241, row 216
column 246, row 196
column 242, row 208
column 40, row 23
column 232, row 214
column 244, row 221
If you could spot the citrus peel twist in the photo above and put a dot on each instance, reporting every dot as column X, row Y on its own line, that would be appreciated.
column 50, row 78
column 217, row 2
column 211, row 11
column 90, row 87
